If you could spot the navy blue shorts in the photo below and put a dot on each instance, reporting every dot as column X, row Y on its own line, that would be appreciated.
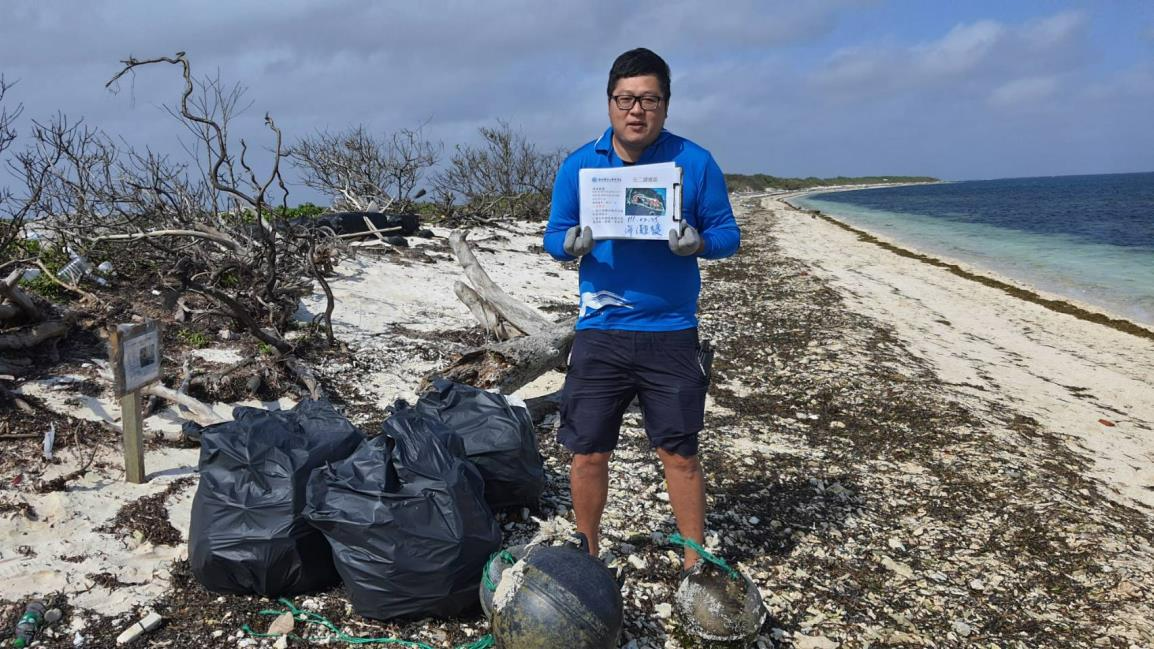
column 607, row 369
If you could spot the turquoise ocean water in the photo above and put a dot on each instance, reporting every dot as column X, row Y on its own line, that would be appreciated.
column 1089, row 239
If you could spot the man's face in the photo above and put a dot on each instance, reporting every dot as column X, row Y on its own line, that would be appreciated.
column 637, row 128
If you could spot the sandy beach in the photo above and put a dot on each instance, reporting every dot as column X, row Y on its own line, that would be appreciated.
column 1079, row 379
column 897, row 456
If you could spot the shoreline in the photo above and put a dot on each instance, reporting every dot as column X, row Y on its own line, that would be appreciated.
column 1061, row 368
column 1015, row 288
column 998, row 448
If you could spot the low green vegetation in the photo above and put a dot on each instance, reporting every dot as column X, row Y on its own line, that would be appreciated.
column 430, row 211
column 46, row 288
column 52, row 257
column 304, row 210
column 765, row 182
column 195, row 339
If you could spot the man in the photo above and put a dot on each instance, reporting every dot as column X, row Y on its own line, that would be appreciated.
column 637, row 327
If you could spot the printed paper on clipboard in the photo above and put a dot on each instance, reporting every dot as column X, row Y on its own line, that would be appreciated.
column 638, row 202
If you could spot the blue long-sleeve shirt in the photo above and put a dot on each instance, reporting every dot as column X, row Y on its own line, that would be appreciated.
column 639, row 285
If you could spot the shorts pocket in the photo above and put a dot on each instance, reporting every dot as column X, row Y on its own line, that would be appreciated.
column 705, row 360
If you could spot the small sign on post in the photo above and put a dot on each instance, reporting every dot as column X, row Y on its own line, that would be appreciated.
column 135, row 356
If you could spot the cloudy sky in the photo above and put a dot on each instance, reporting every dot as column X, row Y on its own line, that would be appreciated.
column 958, row 90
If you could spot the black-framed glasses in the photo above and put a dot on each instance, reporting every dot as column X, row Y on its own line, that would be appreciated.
column 626, row 102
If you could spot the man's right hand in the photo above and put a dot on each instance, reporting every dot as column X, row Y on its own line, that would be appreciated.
column 578, row 242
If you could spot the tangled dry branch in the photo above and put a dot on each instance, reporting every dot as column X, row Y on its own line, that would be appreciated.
column 212, row 236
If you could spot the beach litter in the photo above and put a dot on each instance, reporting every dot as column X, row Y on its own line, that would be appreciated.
column 406, row 517
column 557, row 596
column 715, row 602
column 499, row 439
column 149, row 622
column 247, row 532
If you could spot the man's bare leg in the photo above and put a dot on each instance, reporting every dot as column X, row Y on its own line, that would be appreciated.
column 686, row 484
column 589, row 487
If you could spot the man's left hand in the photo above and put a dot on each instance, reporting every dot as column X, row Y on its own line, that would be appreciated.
column 688, row 243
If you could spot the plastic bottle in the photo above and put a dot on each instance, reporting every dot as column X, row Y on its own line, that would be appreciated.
column 102, row 271
column 74, row 270
column 28, row 625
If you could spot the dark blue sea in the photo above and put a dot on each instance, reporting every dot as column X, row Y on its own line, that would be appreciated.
column 1089, row 239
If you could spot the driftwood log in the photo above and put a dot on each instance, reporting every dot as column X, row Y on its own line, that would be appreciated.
column 20, row 303
column 34, row 335
column 24, row 324
column 198, row 411
column 529, row 344
column 522, row 316
column 507, row 366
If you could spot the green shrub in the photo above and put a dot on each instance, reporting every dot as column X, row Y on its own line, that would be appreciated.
column 46, row 288
column 52, row 257
column 306, row 210
column 229, row 279
column 196, row 339
column 429, row 210
column 302, row 210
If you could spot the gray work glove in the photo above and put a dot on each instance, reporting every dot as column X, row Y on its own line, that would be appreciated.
column 689, row 243
column 578, row 242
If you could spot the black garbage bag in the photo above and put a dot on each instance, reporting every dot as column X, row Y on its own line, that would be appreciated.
column 354, row 222
column 247, row 533
column 407, row 521
column 405, row 420
column 499, row 439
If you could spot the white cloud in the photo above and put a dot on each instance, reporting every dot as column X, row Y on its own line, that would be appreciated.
column 1024, row 93
column 971, row 60
column 738, row 23
column 857, row 70
column 1055, row 31
column 963, row 49
column 878, row 71
column 1129, row 88
column 771, row 85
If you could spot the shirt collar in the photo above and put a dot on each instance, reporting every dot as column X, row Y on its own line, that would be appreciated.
column 604, row 144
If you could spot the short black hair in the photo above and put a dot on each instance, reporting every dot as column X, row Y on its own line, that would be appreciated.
column 639, row 62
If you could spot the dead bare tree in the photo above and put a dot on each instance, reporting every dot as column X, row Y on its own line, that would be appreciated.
column 7, row 133
column 78, row 168
column 503, row 177
column 410, row 155
column 25, row 322
column 360, row 170
column 256, row 278
column 219, row 102
column 12, row 210
column 245, row 265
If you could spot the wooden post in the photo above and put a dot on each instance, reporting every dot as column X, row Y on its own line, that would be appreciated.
column 133, row 425
column 134, row 352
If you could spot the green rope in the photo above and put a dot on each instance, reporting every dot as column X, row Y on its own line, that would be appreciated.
column 485, row 642
column 503, row 555
column 677, row 539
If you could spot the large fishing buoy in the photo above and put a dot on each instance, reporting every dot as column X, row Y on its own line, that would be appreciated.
column 718, row 604
column 557, row 596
